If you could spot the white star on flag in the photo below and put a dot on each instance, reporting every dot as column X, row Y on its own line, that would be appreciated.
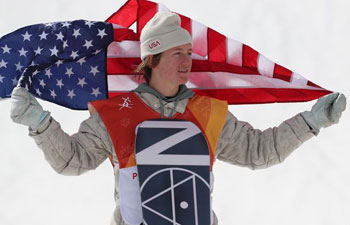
column 89, row 23
column 71, row 93
column 82, row 82
column 94, row 70
column 14, row 81
column 38, row 51
column 54, row 51
column 53, row 94
column 38, row 91
column 101, row 33
column 65, row 44
column 59, row 62
column 69, row 71
column 48, row 73
column 96, row 92
column 59, row 36
column 97, row 51
column 59, row 83
column 76, row 33
column 19, row 66
column 3, row 64
column 74, row 54
column 42, row 83
column 6, row 49
column 88, row 44
column 33, row 64
column 22, row 52
column 66, row 24
column 81, row 61
column 43, row 35
column 26, row 36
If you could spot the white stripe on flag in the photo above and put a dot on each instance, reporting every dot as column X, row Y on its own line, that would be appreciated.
column 265, row 66
column 124, row 49
column 116, row 26
column 122, row 83
column 297, row 79
column 234, row 52
column 199, row 37
column 208, row 80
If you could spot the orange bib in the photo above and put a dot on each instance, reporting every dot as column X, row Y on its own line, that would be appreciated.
column 123, row 113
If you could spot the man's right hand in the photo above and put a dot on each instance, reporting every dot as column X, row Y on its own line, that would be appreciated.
column 26, row 110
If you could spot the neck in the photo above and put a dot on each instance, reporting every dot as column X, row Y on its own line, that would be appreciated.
column 163, row 89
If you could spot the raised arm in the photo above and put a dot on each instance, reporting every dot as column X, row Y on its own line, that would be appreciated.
column 68, row 155
column 242, row 145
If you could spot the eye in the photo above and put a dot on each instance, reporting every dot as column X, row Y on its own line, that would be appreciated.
column 190, row 53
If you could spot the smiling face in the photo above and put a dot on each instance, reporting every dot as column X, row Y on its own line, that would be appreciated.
column 173, row 69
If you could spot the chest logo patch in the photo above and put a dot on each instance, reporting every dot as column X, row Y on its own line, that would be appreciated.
column 126, row 104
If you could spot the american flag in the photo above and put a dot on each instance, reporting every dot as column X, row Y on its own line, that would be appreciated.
column 72, row 63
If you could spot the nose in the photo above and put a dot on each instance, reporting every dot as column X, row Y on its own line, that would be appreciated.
column 186, row 60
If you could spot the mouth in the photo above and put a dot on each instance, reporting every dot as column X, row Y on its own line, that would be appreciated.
column 184, row 71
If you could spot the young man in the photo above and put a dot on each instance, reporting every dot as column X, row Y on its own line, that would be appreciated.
column 161, row 109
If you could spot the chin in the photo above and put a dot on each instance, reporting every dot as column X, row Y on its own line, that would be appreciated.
column 183, row 78
column 183, row 81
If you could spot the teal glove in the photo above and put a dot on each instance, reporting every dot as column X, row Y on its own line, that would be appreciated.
column 26, row 110
column 326, row 111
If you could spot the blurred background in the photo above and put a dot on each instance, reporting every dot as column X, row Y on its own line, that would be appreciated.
column 310, row 37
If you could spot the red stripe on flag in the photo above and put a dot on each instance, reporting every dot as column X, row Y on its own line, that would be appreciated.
column 309, row 83
column 126, row 66
column 122, row 34
column 262, row 95
column 123, row 66
column 282, row 73
column 146, row 11
column 207, row 66
column 126, row 15
column 113, row 94
column 186, row 23
column 249, row 57
column 256, row 95
column 216, row 46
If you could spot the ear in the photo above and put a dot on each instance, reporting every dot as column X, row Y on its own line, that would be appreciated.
column 149, row 59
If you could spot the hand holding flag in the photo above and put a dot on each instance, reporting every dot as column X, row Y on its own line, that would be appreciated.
column 26, row 110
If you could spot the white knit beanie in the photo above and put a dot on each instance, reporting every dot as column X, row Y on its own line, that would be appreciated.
column 161, row 33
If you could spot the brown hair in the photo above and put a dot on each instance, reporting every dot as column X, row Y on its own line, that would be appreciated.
column 146, row 68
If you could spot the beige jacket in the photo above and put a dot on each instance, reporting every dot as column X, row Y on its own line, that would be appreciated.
column 240, row 144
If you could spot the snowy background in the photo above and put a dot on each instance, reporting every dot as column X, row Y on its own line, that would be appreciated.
column 311, row 187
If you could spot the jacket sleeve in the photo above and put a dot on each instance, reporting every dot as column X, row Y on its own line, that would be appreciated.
column 78, row 153
column 240, row 144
